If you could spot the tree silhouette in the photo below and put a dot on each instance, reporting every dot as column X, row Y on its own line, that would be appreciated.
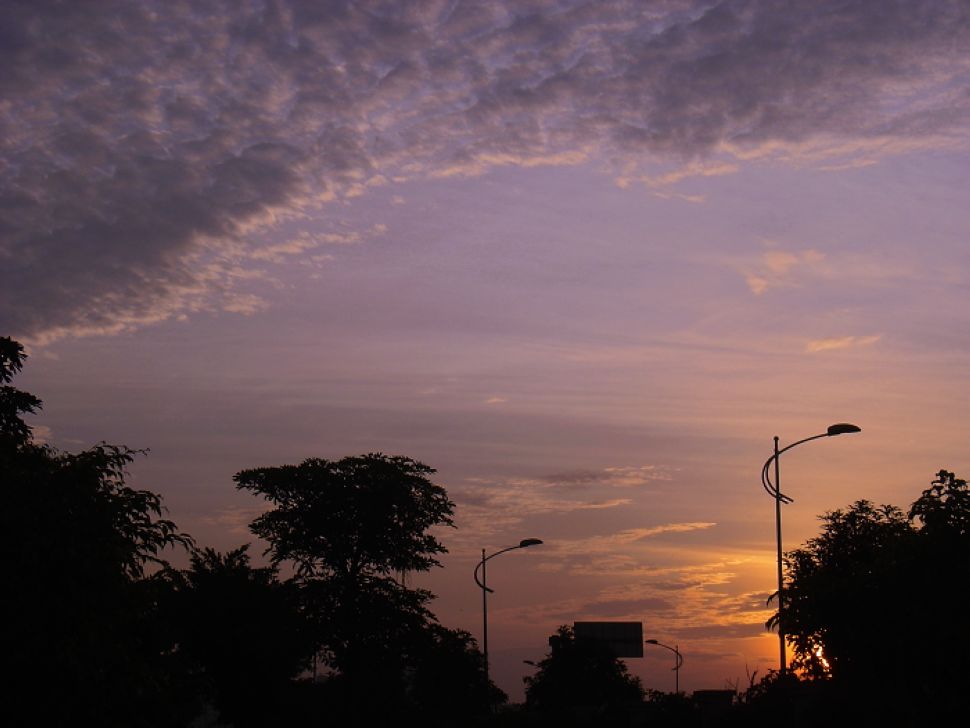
column 447, row 678
column 348, row 527
column 838, row 585
column 242, row 630
column 875, row 603
column 15, row 434
column 578, row 673
column 82, row 618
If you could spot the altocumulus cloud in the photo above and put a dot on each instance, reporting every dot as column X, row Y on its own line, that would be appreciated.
column 144, row 146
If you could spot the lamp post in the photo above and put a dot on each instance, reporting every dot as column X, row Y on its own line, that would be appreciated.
column 774, row 490
column 679, row 661
column 524, row 543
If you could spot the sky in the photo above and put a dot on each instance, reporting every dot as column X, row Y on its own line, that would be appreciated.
column 584, row 258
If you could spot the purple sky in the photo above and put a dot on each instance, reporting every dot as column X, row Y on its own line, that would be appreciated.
column 585, row 258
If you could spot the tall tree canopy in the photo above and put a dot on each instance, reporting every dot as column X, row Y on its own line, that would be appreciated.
column 878, row 601
column 348, row 526
column 351, row 518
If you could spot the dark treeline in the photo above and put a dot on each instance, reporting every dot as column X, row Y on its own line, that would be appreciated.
column 99, row 629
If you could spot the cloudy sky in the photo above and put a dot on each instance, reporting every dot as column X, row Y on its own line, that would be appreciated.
column 584, row 258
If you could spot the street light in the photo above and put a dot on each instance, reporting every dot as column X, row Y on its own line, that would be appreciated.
column 677, row 664
column 774, row 490
column 524, row 543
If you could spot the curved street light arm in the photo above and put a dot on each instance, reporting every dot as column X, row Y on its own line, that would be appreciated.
column 480, row 585
column 676, row 651
column 772, row 488
column 799, row 442
column 840, row 428
column 521, row 545
column 769, row 487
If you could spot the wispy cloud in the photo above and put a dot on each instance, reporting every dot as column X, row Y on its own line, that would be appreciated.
column 42, row 434
column 624, row 554
column 596, row 545
column 778, row 267
column 616, row 476
column 233, row 519
column 660, row 183
column 302, row 243
column 488, row 507
column 691, row 599
column 841, row 342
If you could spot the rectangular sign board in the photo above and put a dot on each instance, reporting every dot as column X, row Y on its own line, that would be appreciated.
column 625, row 639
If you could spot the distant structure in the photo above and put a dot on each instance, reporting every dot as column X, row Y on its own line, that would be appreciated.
column 624, row 639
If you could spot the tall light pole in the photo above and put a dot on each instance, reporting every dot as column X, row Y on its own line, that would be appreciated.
column 679, row 661
column 524, row 543
column 774, row 490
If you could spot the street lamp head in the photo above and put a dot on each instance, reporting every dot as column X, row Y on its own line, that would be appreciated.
column 529, row 542
column 652, row 642
column 842, row 428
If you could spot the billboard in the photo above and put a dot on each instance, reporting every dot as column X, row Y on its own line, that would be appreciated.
column 625, row 639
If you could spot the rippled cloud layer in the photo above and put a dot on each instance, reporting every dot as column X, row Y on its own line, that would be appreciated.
column 148, row 150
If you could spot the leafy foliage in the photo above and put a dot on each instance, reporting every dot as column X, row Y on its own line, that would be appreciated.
column 350, row 518
column 579, row 673
column 79, row 540
column 241, row 630
column 449, row 677
column 876, row 601
column 14, row 403
column 856, row 556
column 347, row 527
column 944, row 509
column 784, row 699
